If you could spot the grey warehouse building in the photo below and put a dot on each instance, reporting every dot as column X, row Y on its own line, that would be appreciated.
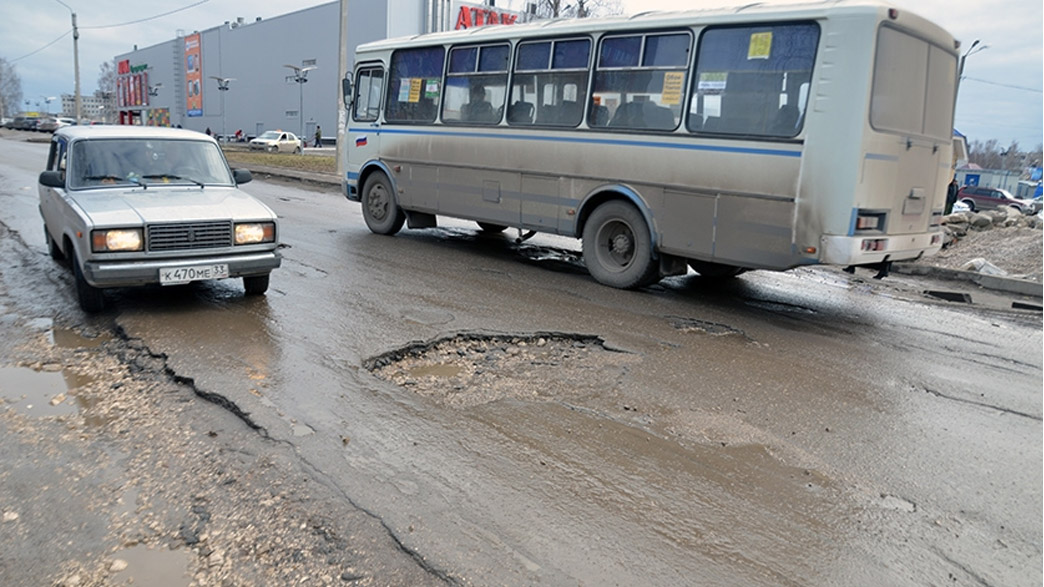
column 177, row 82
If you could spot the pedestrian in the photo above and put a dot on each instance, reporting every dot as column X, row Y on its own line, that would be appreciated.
column 208, row 132
column 318, row 136
column 951, row 196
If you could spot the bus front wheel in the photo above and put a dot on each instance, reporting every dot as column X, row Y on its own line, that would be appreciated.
column 618, row 248
column 381, row 213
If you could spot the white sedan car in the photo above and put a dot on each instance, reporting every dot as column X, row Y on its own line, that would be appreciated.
column 130, row 206
column 277, row 141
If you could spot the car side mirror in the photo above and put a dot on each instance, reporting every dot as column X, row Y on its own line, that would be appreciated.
column 52, row 179
column 346, row 92
column 242, row 176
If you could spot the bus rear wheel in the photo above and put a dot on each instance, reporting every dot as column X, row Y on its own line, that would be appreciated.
column 381, row 213
column 618, row 248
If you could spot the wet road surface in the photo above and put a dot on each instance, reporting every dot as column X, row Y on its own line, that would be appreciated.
column 803, row 428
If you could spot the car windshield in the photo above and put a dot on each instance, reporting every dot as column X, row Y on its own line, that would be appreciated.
column 269, row 135
column 139, row 161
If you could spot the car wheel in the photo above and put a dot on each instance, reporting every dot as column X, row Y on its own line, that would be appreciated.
column 255, row 285
column 52, row 246
column 617, row 247
column 273, row 149
column 970, row 204
column 92, row 299
column 381, row 213
column 297, row 151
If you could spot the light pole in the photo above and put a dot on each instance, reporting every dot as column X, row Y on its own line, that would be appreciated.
column 973, row 49
column 47, row 101
column 76, row 59
column 222, row 83
column 301, row 77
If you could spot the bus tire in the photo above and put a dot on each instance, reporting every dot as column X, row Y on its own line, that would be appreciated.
column 618, row 248
column 92, row 299
column 709, row 270
column 490, row 227
column 381, row 213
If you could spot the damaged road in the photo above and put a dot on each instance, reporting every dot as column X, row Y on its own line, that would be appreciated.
column 451, row 407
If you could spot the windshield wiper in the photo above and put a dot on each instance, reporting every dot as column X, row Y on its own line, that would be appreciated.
column 104, row 178
column 174, row 177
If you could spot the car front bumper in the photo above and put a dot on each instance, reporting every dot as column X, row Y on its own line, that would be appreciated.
column 134, row 273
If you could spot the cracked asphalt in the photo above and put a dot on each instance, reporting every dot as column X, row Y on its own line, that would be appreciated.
column 447, row 407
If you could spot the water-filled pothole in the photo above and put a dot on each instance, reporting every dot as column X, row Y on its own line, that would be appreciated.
column 42, row 393
column 141, row 565
column 469, row 369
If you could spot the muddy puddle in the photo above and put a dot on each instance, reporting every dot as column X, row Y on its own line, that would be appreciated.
column 160, row 567
column 473, row 369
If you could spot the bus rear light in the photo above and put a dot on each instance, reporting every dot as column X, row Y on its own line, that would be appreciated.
column 867, row 222
column 874, row 244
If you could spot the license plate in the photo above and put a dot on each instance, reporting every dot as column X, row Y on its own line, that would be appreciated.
column 176, row 275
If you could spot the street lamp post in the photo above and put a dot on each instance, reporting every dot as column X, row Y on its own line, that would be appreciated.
column 76, row 59
column 973, row 49
column 222, row 83
column 301, row 77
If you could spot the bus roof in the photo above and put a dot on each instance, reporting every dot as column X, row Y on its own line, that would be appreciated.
column 756, row 12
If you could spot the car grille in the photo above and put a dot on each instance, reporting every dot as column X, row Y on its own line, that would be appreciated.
column 188, row 236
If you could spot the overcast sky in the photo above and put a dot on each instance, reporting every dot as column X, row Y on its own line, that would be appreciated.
column 1000, row 98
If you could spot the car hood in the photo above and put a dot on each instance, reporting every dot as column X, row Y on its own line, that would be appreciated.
column 130, row 207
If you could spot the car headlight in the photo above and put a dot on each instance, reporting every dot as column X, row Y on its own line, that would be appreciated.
column 251, row 233
column 115, row 240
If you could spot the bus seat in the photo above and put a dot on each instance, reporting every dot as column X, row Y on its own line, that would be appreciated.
column 599, row 116
column 477, row 112
column 628, row 115
column 548, row 114
column 521, row 112
column 786, row 120
column 658, row 117
column 570, row 112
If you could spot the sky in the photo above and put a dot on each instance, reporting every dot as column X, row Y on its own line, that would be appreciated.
column 1000, row 97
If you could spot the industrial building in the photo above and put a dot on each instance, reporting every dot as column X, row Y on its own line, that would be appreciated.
column 252, row 75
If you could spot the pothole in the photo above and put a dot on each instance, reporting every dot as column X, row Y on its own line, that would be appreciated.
column 705, row 327
column 42, row 393
column 469, row 369
column 140, row 565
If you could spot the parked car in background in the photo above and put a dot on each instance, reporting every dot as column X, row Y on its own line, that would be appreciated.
column 47, row 124
column 277, row 141
column 983, row 198
column 25, row 122
column 6, row 122
column 130, row 206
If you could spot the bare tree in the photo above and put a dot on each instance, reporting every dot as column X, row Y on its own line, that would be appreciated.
column 107, row 90
column 10, row 89
column 577, row 8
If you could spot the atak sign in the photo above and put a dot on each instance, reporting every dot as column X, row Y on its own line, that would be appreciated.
column 471, row 15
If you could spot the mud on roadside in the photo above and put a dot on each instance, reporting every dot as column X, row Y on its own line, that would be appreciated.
column 114, row 469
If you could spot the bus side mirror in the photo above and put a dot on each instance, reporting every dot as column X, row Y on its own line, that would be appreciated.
column 346, row 92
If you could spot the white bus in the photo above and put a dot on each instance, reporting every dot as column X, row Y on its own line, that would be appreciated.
column 763, row 137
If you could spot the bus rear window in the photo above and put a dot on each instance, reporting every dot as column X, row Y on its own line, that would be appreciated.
column 913, row 86
column 753, row 80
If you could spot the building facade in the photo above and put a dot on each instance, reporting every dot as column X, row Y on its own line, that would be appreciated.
column 253, row 75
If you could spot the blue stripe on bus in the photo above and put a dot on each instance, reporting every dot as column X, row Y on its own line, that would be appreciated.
column 583, row 140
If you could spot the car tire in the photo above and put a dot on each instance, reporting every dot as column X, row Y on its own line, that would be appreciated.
column 297, row 151
column 92, row 299
column 380, row 211
column 617, row 247
column 273, row 149
column 52, row 246
column 255, row 285
column 970, row 204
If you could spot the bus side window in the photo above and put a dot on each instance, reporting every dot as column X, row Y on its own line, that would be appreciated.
column 414, row 85
column 369, row 88
column 644, row 74
column 550, row 83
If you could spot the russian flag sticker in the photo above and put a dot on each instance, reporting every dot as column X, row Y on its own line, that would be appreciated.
column 360, row 141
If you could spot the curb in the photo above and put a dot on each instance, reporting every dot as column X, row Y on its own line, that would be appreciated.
column 312, row 176
column 1011, row 285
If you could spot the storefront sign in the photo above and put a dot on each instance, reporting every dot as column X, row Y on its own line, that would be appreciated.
column 471, row 15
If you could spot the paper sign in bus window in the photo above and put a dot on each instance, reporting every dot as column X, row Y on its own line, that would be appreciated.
column 712, row 83
column 760, row 46
column 431, row 89
column 404, row 89
column 416, row 84
column 672, row 87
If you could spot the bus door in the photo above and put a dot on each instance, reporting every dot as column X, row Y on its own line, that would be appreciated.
column 364, row 139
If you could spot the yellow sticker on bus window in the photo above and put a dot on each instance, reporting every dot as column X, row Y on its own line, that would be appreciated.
column 760, row 46
column 673, row 82
column 416, row 84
